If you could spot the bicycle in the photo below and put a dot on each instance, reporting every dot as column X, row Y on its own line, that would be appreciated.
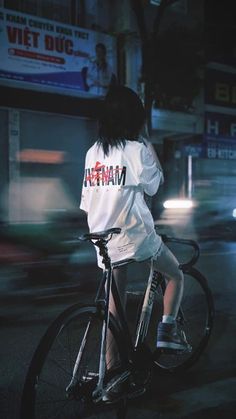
column 68, row 375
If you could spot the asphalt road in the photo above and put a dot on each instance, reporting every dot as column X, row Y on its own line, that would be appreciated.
column 208, row 390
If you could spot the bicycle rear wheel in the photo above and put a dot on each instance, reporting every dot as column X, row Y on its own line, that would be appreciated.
column 50, row 372
column 196, row 318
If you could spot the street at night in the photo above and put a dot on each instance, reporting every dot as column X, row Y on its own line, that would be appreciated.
column 207, row 390
column 118, row 119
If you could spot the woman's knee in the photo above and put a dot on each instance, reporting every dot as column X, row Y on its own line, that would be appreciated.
column 179, row 275
column 168, row 265
column 175, row 275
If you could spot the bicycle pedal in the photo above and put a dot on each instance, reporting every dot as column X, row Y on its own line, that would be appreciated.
column 89, row 376
column 136, row 392
column 171, row 351
column 112, row 397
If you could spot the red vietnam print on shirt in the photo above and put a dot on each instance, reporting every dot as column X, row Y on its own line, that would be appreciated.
column 102, row 175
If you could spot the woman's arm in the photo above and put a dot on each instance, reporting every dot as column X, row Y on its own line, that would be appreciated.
column 155, row 156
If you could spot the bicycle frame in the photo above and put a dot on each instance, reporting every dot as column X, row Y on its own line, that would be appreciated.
column 155, row 278
column 107, row 286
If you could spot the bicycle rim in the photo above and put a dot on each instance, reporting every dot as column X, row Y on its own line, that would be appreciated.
column 50, row 372
column 196, row 319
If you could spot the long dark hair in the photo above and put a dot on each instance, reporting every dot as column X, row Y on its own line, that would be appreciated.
column 122, row 118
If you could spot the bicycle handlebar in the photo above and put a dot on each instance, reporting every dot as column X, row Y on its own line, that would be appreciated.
column 187, row 242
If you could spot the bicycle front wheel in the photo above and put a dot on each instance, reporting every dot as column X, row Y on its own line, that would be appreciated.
column 196, row 319
column 50, row 372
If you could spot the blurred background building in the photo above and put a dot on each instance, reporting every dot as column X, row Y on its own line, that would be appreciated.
column 178, row 55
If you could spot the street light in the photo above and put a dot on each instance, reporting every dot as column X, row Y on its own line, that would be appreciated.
column 179, row 204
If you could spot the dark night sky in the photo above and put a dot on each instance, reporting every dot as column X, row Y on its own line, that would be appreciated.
column 220, row 30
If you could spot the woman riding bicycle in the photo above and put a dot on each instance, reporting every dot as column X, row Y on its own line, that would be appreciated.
column 119, row 169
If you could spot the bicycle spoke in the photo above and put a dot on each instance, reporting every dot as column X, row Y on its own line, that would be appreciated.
column 58, row 365
column 54, row 401
column 51, row 384
column 46, row 396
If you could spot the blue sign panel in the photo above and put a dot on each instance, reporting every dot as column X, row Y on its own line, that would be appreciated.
column 220, row 150
column 220, row 126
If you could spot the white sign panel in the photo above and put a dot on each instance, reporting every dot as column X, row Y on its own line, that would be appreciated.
column 54, row 56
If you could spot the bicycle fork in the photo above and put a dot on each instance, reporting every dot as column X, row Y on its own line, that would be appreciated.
column 99, row 391
column 104, row 306
column 74, row 380
column 121, row 377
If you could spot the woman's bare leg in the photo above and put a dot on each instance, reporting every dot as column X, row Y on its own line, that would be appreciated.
column 167, row 264
column 169, row 335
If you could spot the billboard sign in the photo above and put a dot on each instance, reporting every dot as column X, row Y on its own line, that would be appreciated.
column 40, row 53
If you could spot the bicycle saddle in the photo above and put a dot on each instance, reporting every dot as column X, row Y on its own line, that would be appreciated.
column 100, row 235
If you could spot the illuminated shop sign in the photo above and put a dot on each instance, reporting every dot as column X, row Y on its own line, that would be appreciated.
column 220, row 88
column 222, row 150
column 210, row 149
column 220, row 126
column 219, row 139
column 37, row 52
column 220, row 136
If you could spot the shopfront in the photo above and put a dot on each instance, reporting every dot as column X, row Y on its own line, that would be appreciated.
column 48, row 112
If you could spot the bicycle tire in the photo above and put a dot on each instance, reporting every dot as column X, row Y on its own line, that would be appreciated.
column 197, row 306
column 50, row 370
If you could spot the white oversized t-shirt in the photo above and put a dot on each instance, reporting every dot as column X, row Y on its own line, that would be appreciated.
column 113, row 196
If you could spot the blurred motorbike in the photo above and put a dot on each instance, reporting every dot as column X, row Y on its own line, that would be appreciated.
column 44, row 255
